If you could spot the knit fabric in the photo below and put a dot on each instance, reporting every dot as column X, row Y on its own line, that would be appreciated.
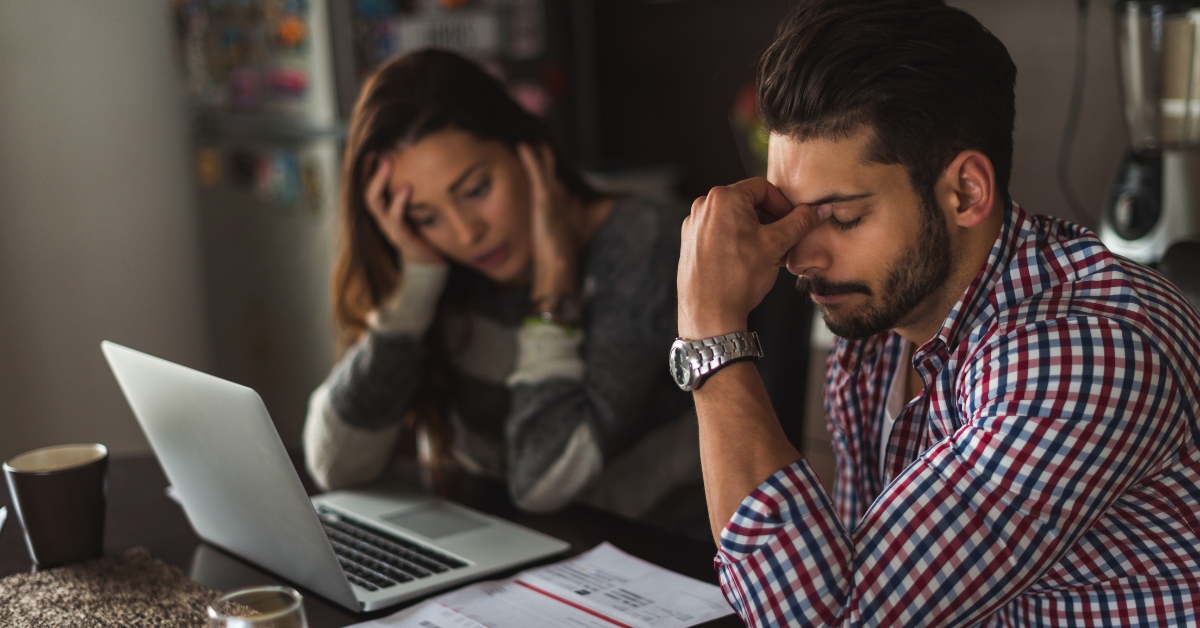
column 544, row 407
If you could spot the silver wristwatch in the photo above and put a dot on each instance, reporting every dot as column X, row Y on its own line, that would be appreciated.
column 692, row 361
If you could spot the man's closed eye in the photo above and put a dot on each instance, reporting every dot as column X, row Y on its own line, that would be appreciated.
column 846, row 225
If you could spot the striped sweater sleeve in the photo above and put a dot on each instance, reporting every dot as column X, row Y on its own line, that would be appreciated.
column 354, row 417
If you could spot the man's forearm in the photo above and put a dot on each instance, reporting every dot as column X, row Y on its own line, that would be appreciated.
column 728, row 261
column 741, row 442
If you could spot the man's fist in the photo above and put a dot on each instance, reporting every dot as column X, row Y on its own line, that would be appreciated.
column 733, row 244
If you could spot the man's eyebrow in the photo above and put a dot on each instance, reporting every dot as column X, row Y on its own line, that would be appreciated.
column 463, row 177
column 836, row 198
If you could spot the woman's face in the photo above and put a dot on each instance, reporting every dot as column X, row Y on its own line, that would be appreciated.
column 470, row 200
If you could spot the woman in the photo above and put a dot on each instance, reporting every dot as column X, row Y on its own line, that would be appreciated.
column 485, row 290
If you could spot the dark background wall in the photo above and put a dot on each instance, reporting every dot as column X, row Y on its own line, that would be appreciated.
column 667, row 74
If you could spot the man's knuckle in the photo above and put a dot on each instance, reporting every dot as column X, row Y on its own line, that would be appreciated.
column 807, row 223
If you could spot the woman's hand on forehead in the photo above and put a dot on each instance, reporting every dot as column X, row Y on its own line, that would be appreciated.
column 555, row 223
column 389, row 215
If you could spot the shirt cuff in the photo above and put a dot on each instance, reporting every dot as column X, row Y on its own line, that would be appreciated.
column 793, row 494
column 547, row 351
column 411, row 308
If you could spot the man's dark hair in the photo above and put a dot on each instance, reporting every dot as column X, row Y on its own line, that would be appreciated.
column 928, row 79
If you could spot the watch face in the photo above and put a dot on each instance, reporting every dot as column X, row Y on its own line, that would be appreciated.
column 680, row 369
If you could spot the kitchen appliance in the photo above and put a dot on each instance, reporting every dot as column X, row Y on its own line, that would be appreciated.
column 269, row 88
column 1155, row 200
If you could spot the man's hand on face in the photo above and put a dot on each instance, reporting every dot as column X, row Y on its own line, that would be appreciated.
column 733, row 244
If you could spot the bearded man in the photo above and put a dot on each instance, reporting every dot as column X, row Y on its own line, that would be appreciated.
column 1013, row 408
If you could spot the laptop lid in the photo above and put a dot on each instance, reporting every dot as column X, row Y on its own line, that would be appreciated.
column 219, row 448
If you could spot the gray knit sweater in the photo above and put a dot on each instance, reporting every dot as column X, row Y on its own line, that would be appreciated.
column 591, row 414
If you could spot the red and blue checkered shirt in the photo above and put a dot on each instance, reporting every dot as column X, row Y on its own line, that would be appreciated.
column 1048, row 475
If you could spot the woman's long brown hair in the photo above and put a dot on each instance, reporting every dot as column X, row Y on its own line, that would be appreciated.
column 405, row 100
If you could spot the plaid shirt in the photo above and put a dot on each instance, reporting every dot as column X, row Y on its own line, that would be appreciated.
column 1048, row 475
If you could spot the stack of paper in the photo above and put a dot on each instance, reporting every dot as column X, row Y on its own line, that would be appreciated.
column 599, row 589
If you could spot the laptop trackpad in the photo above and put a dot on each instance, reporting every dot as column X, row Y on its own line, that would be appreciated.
column 433, row 521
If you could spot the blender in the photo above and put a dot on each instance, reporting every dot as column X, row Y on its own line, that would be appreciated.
column 1155, row 201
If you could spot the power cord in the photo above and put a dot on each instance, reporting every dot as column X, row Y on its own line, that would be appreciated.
column 1072, row 125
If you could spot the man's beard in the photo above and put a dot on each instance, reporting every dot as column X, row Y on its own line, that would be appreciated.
column 919, row 272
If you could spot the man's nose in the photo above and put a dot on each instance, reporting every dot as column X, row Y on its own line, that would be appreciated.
column 809, row 255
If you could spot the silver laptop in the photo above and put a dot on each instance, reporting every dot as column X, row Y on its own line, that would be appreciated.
column 363, row 549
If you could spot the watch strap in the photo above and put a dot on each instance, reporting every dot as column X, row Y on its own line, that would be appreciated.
column 707, row 355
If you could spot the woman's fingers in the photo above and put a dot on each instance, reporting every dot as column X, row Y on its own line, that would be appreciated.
column 533, row 169
column 547, row 160
column 389, row 215
column 555, row 232
column 539, row 164
column 395, row 212
column 394, row 223
column 376, row 187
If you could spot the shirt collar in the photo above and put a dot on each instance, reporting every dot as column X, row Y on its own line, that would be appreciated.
column 978, row 303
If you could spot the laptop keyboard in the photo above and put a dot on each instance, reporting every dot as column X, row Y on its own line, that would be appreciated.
column 374, row 559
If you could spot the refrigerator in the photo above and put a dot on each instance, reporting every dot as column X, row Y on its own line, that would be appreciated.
column 269, row 86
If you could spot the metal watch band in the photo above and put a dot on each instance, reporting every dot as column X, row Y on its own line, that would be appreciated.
column 705, row 356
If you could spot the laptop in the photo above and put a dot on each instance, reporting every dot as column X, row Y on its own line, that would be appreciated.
column 363, row 549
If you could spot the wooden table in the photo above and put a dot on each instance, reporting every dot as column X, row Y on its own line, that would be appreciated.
column 140, row 514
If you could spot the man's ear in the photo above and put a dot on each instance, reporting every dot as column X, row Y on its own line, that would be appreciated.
column 968, row 187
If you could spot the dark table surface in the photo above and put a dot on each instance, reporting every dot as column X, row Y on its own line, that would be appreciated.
column 140, row 514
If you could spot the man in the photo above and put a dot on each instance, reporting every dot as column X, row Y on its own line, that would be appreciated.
column 1013, row 408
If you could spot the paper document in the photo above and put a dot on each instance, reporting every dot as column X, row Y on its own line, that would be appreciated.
column 602, row 588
